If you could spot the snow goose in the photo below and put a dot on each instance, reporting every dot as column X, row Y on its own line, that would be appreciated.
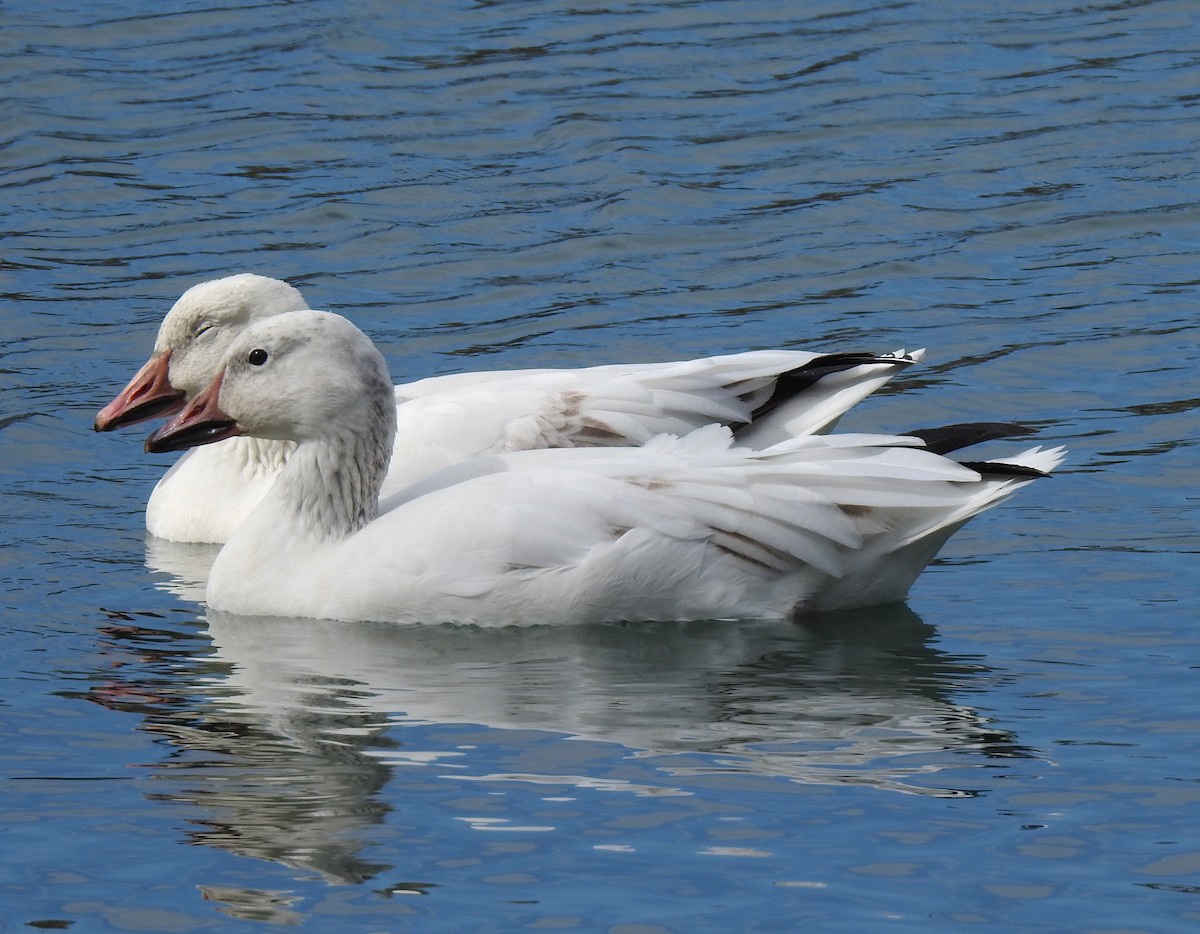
column 446, row 419
column 680, row 528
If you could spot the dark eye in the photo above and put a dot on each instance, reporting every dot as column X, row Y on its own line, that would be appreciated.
column 257, row 357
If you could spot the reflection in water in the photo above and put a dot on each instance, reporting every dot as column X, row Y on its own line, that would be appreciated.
column 181, row 567
column 285, row 731
column 297, row 790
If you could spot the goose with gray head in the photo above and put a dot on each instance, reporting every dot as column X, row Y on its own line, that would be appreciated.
column 680, row 528
column 442, row 420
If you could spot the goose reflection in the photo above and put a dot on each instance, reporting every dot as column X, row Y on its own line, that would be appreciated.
column 852, row 697
column 286, row 731
column 849, row 698
column 858, row 698
column 180, row 568
column 300, row 790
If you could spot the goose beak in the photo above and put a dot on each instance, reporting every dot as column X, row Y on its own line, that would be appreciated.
column 148, row 395
column 200, row 422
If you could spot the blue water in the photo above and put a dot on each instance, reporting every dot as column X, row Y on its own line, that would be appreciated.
column 1013, row 186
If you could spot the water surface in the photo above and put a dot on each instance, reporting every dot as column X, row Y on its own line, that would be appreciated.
column 504, row 185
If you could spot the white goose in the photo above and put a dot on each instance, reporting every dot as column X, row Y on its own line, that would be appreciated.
column 447, row 419
column 681, row 528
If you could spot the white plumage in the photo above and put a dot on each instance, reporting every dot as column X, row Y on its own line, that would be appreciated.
column 681, row 528
column 446, row 419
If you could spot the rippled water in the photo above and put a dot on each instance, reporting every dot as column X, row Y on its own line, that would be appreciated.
column 516, row 184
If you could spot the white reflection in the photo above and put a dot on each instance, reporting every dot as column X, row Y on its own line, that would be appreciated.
column 861, row 700
column 291, row 728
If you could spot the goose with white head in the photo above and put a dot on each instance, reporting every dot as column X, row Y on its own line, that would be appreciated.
column 681, row 528
column 207, row 493
column 769, row 395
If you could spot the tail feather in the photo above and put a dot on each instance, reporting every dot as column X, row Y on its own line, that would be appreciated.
column 885, row 569
column 1041, row 461
column 999, row 480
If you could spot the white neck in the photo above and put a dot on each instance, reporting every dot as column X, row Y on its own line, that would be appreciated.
column 329, row 487
column 257, row 455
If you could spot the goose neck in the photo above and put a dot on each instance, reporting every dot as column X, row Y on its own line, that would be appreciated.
column 331, row 486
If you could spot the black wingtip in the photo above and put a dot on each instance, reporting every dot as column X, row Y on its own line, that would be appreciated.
column 1000, row 469
column 790, row 384
column 947, row 438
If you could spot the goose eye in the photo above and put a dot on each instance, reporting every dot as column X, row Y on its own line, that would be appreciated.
column 203, row 329
column 257, row 357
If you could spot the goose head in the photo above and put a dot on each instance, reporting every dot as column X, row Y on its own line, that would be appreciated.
column 192, row 342
column 300, row 376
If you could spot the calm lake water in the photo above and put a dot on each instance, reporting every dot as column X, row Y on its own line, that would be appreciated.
column 1013, row 185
